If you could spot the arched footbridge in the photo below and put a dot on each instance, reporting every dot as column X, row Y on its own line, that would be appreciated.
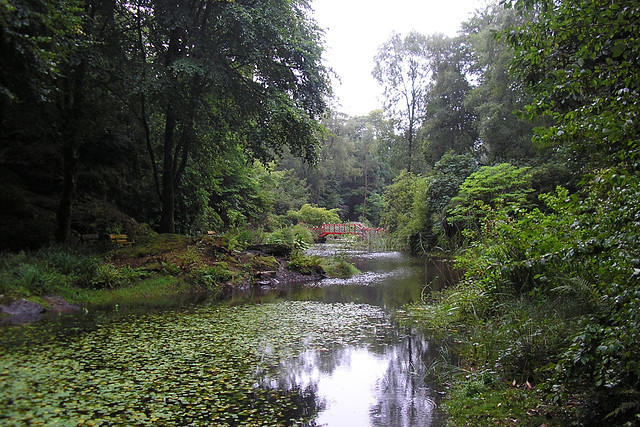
column 353, row 228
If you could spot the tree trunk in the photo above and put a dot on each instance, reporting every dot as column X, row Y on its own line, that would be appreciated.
column 167, row 219
column 65, row 206
column 72, row 106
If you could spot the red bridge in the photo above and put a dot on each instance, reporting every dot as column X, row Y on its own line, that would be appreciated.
column 354, row 228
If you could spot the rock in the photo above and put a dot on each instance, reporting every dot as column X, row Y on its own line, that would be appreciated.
column 22, row 306
column 58, row 304
column 22, row 311
column 272, row 249
column 266, row 274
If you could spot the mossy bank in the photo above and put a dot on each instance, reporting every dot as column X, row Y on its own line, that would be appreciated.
column 158, row 267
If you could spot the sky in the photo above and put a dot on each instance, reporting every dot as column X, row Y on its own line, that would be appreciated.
column 354, row 29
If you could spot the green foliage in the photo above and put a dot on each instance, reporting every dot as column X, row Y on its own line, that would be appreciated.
column 414, row 207
column 38, row 38
column 398, row 200
column 239, row 238
column 211, row 278
column 449, row 125
column 80, row 268
column 32, row 279
column 297, row 237
column 61, row 269
column 550, row 297
column 170, row 268
column 585, row 79
column 306, row 264
column 315, row 216
column 503, row 187
column 481, row 401
column 108, row 276
column 403, row 66
column 496, row 100
column 339, row 267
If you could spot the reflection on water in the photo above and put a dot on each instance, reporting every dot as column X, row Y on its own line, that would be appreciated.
column 369, row 373
column 380, row 383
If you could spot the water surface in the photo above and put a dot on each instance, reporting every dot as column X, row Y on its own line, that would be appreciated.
column 321, row 354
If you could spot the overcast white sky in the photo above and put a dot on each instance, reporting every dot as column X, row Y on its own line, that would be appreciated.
column 354, row 29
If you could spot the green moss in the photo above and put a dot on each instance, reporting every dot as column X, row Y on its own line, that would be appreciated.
column 155, row 287
column 264, row 263
column 338, row 267
column 156, row 245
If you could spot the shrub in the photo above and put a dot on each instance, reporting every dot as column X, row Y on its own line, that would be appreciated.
column 578, row 265
column 339, row 267
column 32, row 278
column 107, row 276
column 297, row 237
column 315, row 216
column 210, row 278
column 305, row 264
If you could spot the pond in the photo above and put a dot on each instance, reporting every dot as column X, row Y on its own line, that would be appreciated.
column 321, row 354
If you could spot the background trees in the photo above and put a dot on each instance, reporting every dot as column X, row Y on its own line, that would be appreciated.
column 403, row 68
column 245, row 73
column 557, row 268
column 587, row 80
column 496, row 99
column 448, row 125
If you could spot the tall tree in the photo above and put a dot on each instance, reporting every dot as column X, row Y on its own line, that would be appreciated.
column 496, row 97
column 449, row 126
column 403, row 68
column 246, row 72
column 581, row 62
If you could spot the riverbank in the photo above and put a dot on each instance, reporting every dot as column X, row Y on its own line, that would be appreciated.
column 324, row 353
column 498, row 359
column 159, row 267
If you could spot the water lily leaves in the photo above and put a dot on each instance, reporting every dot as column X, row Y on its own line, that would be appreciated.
column 201, row 366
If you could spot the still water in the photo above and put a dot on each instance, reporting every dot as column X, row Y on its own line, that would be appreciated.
column 381, row 383
column 323, row 354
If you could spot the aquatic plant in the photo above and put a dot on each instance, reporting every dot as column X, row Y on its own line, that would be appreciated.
column 200, row 366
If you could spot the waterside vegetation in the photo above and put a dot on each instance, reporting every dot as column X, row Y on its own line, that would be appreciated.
column 165, row 265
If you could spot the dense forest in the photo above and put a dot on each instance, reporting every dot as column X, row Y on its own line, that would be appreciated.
column 513, row 146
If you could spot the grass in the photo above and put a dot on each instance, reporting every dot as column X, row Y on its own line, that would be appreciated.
column 158, row 266
column 499, row 355
column 478, row 400
column 163, row 266
column 151, row 288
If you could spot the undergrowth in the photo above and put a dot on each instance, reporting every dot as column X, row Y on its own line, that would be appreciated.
column 545, row 323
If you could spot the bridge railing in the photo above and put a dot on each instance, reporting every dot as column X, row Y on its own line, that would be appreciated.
column 353, row 228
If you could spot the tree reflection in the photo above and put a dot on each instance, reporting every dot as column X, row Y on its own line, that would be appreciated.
column 403, row 398
column 377, row 384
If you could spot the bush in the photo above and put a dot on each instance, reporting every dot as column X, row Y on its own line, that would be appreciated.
column 109, row 276
column 555, row 297
column 305, row 264
column 32, row 278
column 210, row 278
column 339, row 267
column 315, row 216
column 297, row 237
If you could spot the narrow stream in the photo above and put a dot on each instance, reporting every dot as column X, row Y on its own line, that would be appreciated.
column 321, row 354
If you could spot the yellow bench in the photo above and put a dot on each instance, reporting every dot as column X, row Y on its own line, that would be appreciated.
column 121, row 239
